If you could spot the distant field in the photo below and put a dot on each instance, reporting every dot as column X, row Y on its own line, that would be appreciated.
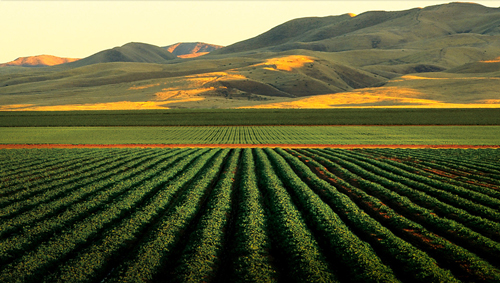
column 380, row 135
column 223, row 117
column 249, row 215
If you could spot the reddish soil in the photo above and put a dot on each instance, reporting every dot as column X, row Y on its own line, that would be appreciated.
column 440, row 173
column 347, row 146
column 424, row 239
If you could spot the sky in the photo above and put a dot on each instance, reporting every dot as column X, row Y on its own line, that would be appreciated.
column 77, row 29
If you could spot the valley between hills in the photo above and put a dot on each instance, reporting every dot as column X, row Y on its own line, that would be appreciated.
column 444, row 56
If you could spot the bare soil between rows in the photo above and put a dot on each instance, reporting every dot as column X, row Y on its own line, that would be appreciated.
column 347, row 146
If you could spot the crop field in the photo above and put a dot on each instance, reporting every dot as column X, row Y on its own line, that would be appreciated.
column 250, row 117
column 279, row 135
column 249, row 215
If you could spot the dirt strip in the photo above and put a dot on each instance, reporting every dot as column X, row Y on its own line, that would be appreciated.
column 348, row 146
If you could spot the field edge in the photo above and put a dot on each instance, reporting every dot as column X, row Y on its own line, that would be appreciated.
column 345, row 146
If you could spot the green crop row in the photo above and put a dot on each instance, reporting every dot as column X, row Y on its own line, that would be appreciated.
column 439, row 186
column 464, row 232
column 194, row 183
column 41, row 163
column 380, row 200
column 482, row 170
column 101, row 194
column 248, row 215
column 357, row 256
column 221, row 117
column 97, row 192
column 409, row 261
column 301, row 250
column 440, row 135
column 56, row 189
column 201, row 257
column 35, row 175
column 93, row 261
column 467, row 179
column 252, row 244
column 424, row 202
column 447, row 195
column 49, row 187
column 491, row 178
column 48, row 253
column 484, row 161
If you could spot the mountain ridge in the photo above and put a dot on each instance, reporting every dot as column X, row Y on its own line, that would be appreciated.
column 191, row 49
column 39, row 61
column 130, row 52
column 438, row 56
column 373, row 29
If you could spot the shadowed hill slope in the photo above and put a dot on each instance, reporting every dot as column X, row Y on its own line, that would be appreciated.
column 378, row 30
column 439, row 56
column 239, row 81
column 478, row 67
column 291, row 31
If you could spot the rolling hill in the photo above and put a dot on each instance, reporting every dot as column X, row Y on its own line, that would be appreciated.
column 38, row 61
column 438, row 56
column 441, row 26
column 130, row 52
column 191, row 49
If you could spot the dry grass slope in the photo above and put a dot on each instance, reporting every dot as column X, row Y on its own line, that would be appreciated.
column 439, row 56
column 38, row 61
column 191, row 49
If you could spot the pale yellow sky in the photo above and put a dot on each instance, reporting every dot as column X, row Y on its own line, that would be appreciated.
column 81, row 28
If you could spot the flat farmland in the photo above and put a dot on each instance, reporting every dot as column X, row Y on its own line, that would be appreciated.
column 152, row 197
column 266, row 135
column 250, row 117
column 249, row 215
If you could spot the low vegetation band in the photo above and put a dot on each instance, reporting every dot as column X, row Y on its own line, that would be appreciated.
column 249, row 215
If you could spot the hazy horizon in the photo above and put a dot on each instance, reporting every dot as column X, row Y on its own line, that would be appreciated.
column 79, row 29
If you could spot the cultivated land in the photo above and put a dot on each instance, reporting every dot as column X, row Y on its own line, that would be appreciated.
column 251, row 117
column 290, row 214
column 249, row 126
column 293, row 207
column 255, row 135
column 241, row 215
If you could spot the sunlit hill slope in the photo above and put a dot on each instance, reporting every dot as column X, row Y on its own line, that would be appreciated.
column 38, row 61
column 191, row 49
column 438, row 56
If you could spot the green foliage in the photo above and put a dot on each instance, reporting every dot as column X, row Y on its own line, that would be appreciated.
column 162, row 239
column 410, row 217
column 238, row 117
column 251, row 252
column 200, row 259
column 418, row 193
column 300, row 248
column 364, row 265
column 413, row 262
column 326, row 135
column 249, row 215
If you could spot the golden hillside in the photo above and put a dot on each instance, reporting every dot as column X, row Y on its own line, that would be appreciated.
column 439, row 56
column 38, row 61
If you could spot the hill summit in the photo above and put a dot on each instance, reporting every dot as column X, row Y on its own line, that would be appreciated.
column 438, row 56
column 38, row 61
column 130, row 52
column 191, row 49
column 433, row 27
